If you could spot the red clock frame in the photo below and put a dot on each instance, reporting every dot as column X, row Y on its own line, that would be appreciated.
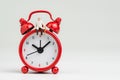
column 52, row 66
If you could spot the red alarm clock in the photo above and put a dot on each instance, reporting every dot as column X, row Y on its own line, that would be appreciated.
column 40, row 52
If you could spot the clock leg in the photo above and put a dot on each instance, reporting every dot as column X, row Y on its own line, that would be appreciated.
column 55, row 70
column 24, row 69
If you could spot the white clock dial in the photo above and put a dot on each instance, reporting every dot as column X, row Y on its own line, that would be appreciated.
column 39, row 50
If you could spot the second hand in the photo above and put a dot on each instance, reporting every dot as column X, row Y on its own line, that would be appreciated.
column 32, row 53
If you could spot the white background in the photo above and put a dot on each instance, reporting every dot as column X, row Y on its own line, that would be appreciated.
column 90, row 36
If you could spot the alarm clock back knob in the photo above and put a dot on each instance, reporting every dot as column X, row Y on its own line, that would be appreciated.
column 55, row 25
column 25, row 26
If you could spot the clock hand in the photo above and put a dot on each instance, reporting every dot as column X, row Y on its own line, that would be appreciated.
column 40, row 43
column 32, row 53
column 45, row 45
column 34, row 46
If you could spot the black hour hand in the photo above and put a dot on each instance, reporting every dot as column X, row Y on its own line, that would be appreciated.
column 34, row 46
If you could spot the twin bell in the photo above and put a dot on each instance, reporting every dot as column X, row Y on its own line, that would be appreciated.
column 26, row 26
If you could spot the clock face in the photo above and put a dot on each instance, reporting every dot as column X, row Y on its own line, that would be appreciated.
column 39, row 51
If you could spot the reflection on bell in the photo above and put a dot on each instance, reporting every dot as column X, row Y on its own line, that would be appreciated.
column 25, row 26
column 55, row 25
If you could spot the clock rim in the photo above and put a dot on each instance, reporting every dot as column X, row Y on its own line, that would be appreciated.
column 51, row 65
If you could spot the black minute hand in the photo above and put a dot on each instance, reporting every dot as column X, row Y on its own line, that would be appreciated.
column 46, row 45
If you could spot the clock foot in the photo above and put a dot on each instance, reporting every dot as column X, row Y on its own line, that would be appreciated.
column 55, row 70
column 24, row 69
